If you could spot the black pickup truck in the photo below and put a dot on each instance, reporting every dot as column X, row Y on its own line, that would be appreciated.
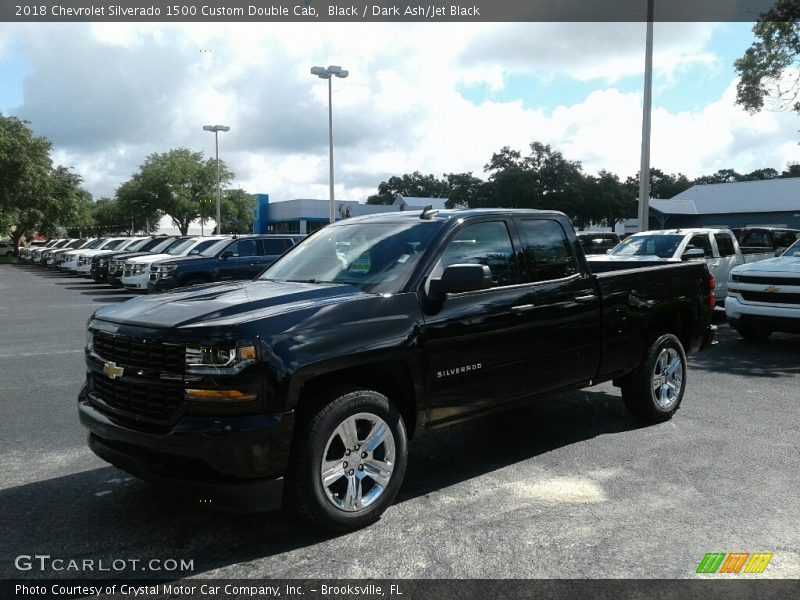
column 303, row 385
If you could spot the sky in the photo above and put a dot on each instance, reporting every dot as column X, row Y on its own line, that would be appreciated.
column 429, row 97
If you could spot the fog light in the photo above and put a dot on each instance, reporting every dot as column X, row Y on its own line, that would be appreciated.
column 219, row 395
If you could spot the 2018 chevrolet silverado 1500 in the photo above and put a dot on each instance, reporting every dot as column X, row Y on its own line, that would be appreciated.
column 307, row 381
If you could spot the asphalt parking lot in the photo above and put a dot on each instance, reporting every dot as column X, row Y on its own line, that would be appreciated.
column 568, row 487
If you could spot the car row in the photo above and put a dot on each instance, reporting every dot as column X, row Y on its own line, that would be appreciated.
column 159, row 263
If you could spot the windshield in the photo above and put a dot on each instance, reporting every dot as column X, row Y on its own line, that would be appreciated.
column 215, row 249
column 95, row 244
column 793, row 250
column 180, row 247
column 112, row 244
column 660, row 245
column 159, row 245
column 377, row 257
column 137, row 244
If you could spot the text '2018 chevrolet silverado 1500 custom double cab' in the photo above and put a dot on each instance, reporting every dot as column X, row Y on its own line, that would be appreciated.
column 303, row 385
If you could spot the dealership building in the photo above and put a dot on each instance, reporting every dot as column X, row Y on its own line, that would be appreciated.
column 306, row 215
column 768, row 202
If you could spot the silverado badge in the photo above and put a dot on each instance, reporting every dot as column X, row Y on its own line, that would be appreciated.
column 772, row 288
column 112, row 371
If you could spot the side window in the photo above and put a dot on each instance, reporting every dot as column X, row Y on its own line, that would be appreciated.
column 244, row 248
column 783, row 239
column 701, row 241
column 484, row 244
column 547, row 250
column 725, row 244
column 275, row 246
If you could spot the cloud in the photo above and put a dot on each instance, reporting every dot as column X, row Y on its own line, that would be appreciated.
column 108, row 95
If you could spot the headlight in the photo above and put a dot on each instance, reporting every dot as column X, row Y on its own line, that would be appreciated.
column 102, row 262
column 89, row 340
column 734, row 278
column 219, row 360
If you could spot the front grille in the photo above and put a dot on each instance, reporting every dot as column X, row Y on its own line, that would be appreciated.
column 770, row 280
column 771, row 297
column 141, row 354
column 154, row 402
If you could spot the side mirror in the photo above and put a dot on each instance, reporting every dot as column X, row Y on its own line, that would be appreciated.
column 693, row 254
column 226, row 255
column 461, row 278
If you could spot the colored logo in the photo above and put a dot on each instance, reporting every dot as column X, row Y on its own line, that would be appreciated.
column 734, row 562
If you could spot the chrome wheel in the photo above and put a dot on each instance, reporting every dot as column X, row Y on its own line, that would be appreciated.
column 667, row 378
column 358, row 462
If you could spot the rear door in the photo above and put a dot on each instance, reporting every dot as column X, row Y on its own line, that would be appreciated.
column 565, row 324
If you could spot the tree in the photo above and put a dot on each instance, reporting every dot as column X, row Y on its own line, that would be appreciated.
column 543, row 179
column 25, row 169
column 770, row 68
column 662, row 185
column 792, row 170
column 415, row 185
column 464, row 190
column 607, row 200
column 178, row 183
column 237, row 211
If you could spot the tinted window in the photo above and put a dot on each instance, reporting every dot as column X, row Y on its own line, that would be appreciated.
column 661, row 245
column 701, row 241
column 782, row 239
column 202, row 246
column 244, row 248
column 547, row 250
column 484, row 244
column 754, row 238
column 275, row 246
column 725, row 244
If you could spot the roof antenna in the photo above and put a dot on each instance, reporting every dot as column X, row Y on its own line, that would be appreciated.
column 428, row 212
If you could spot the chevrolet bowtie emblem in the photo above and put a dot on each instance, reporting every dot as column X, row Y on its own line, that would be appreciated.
column 112, row 371
column 772, row 288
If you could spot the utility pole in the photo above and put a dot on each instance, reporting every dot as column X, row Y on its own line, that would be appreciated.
column 644, row 169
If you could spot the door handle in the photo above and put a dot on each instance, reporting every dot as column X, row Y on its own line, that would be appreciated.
column 585, row 299
column 522, row 308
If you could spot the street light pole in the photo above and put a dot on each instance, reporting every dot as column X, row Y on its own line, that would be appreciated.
column 216, row 129
column 328, row 74
column 644, row 168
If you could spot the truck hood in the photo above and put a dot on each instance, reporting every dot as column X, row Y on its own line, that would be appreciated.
column 220, row 304
column 148, row 258
column 781, row 264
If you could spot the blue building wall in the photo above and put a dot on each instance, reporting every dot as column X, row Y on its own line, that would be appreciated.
column 261, row 213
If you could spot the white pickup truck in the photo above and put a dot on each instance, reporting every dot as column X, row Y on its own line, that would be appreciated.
column 718, row 247
column 765, row 296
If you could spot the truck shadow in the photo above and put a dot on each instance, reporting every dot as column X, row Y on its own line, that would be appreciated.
column 775, row 357
column 106, row 514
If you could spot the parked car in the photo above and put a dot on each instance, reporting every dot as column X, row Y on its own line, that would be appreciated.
column 597, row 242
column 6, row 249
column 717, row 247
column 24, row 253
column 136, row 275
column 108, row 267
column 240, row 257
column 58, row 257
column 75, row 257
column 38, row 253
column 307, row 382
column 757, row 239
column 49, row 253
column 764, row 297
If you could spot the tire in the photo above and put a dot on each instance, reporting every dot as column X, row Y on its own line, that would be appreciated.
column 753, row 335
column 355, row 495
column 657, row 402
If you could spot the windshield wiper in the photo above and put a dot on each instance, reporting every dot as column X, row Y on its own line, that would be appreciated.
column 303, row 281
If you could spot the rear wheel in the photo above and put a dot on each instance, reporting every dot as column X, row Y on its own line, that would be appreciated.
column 753, row 335
column 656, row 390
column 348, row 462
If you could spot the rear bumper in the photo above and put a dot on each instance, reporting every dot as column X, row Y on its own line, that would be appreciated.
column 228, row 463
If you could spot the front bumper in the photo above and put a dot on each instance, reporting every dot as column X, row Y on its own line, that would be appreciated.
column 234, row 463
column 136, row 282
column 777, row 317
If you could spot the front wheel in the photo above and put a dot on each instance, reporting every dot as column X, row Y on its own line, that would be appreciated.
column 656, row 390
column 349, row 461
